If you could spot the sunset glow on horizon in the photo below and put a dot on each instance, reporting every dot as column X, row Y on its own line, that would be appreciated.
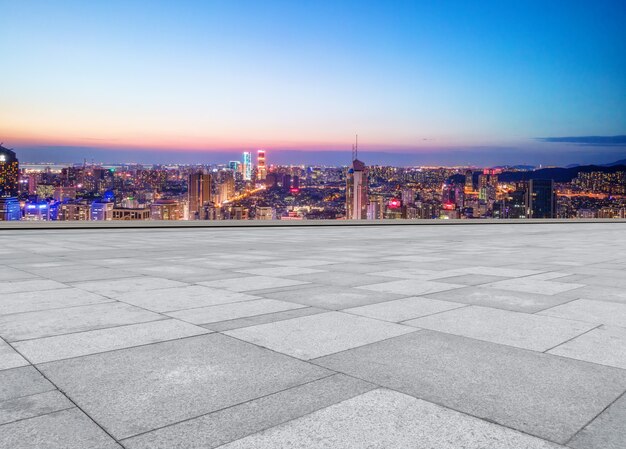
column 222, row 76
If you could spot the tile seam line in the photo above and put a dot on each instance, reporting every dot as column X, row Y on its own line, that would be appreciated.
column 571, row 339
column 71, row 407
column 595, row 417
column 405, row 394
column 72, row 401
column 331, row 374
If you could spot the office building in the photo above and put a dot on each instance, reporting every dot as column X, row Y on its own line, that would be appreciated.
column 246, row 166
column 9, row 173
column 10, row 209
column 166, row 210
column 356, row 191
column 198, row 194
column 540, row 199
column 261, row 169
column 101, row 211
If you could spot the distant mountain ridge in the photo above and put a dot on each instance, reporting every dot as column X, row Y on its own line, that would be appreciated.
column 561, row 174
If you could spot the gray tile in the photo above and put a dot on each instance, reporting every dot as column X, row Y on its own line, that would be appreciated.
column 599, row 312
column 317, row 335
column 252, row 283
column 605, row 345
column 115, row 287
column 279, row 271
column 262, row 319
column 471, row 279
column 77, row 273
column 224, row 312
column 330, row 297
column 9, row 358
column 29, row 286
column 414, row 287
column 383, row 419
column 47, row 323
column 547, row 396
column 67, row 429
column 404, row 309
column 33, row 405
column 501, row 299
column 179, row 298
column 24, row 381
column 91, row 342
column 49, row 299
column 518, row 329
column 607, row 431
column 529, row 285
column 135, row 390
column 305, row 263
column 338, row 278
column 236, row 422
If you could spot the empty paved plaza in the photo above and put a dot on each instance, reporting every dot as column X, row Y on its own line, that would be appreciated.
column 427, row 336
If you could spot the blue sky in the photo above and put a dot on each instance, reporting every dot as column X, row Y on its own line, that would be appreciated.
column 440, row 77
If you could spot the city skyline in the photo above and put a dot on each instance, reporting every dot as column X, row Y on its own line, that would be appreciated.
column 482, row 84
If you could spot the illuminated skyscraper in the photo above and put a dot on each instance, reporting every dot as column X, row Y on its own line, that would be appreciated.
column 261, row 170
column 199, row 194
column 469, row 181
column 247, row 166
column 356, row 191
column 540, row 199
column 9, row 172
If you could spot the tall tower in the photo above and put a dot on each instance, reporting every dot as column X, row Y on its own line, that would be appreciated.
column 199, row 194
column 261, row 170
column 9, row 172
column 247, row 166
column 356, row 188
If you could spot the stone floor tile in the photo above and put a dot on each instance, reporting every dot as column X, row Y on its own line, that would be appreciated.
column 501, row 299
column 23, row 381
column 523, row 330
column 383, row 419
column 114, row 287
column 91, row 342
column 471, row 279
column 403, row 309
column 534, row 286
column 607, row 431
column 9, row 358
column 278, row 271
column 252, row 283
column 547, row 396
column 67, row 429
column 180, row 298
column 33, row 405
column 338, row 278
column 605, row 345
column 330, row 297
column 590, row 311
column 317, row 335
column 46, row 323
column 136, row 390
column 49, row 299
column 411, row 287
column 236, row 422
column 224, row 312
column 263, row 319
column 31, row 285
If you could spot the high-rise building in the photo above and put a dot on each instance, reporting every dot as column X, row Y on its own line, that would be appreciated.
column 9, row 172
column 101, row 211
column 199, row 194
column 10, row 209
column 469, row 181
column 356, row 191
column 234, row 165
column 261, row 169
column 166, row 210
column 246, row 165
column 540, row 199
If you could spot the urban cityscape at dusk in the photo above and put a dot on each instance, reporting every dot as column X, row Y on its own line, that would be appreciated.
column 253, row 188
column 313, row 224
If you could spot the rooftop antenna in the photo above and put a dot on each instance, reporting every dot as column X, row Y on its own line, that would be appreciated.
column 356, row 147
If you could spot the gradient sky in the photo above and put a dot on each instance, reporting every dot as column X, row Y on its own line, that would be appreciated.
column 438, row 78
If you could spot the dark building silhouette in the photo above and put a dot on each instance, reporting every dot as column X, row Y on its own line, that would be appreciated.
column 9, row 173
column 540, row 199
